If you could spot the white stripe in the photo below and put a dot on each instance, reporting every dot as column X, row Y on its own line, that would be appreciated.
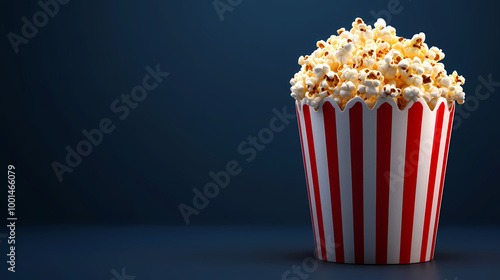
column 369, row 184
column 344, row 144
column 439, row 167
column 309, row 180
column 424, row 161
column 398, row 150
column 446, row 160
column 318, row 128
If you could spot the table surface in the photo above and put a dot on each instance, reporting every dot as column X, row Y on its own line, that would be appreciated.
column 227, row 252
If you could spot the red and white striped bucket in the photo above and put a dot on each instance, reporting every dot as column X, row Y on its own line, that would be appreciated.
column 375, row 178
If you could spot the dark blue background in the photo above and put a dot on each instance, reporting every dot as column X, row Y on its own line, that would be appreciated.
column 225, row 79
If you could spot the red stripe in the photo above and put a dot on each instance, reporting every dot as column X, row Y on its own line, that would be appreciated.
column 356, row 133
column 441, row 183
column 410, row 179
column 314, row 173
column 383, row 165
column 307, row 179
column 432, row 179
column 333, row 177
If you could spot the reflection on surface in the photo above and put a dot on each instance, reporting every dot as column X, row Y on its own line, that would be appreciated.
column 160, row 252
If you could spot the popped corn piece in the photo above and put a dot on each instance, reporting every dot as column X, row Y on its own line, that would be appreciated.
column 315, row 102
column 320, row 70
column 338, row 100
column 403, row 65
column 321, row 44
column 438, row 54
column 427, row 96
column 302, row 60
column 346, row 89
column 387, row 67
column 324, row 94
column 349, row 74
column 390, row 91
column 310, row 83
column 380, row 23
column 344, row 53
column 324, row 85
column 371, row 102
column 412, row 93
column 413, row 79
column 386, row 34
column 332, row 79
column 460, row 97
column 457, row 79
column 368, row 34
column 446, row 81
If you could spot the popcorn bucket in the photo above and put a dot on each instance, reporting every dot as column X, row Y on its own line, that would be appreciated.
column 375, row 178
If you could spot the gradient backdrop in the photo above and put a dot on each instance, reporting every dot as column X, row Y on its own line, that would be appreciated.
column 225, row 79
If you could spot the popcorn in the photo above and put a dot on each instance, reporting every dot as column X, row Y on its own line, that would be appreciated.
column 371, row 102
column 357, row 23
column 460, row 96
column 320, row 70
column 426, row 96
column 412, row 93
column 321, row 44
column 446, row 82
column 310, row 83
column 374, row 63
column 370, row 62
column 332, row 79
column 363, row 30
column 456, row 93
column 386, row 34
column 412, row 79
column 390, row 91
column 301, row 60
column 370, row 83
column 380, row 23
column 412, row 47
column 458, row 79
column 315, row 102
column 437, row 54
column 427, row 67
column 398, row 46
column 346, row 89
column 444, row 92
column 404, row 64
column 349, row 74
column 387, row 67
column 429, row 88
column 418, row 39
column 344, row 53
column 416, row 67
column 382, row 46
column 368, row 34
column 388, row 70
column 338, row 100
